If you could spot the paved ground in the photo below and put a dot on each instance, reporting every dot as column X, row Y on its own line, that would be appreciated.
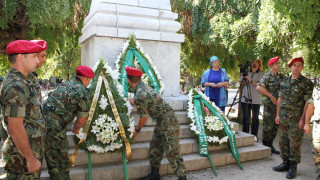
column 261, row 169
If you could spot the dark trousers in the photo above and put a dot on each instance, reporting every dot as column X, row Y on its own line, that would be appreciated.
column 246, row 111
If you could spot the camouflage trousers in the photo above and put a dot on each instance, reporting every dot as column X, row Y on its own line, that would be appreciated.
column 15, row 163
column 56, row 147
column 291, row 136
column 165, row 140
column 270, row 128
column 316, row 143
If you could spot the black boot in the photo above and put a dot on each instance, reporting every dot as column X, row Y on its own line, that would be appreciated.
column 284, row 166
column 183, row 178
column 318, row 178
column 292, row 171
column 274, row 151
column 268, row 144
column 153, row 176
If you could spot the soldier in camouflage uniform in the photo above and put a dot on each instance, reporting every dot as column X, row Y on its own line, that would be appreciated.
column 166, row 133
column 269, row 86
column 33, row 78
column 70, row 99
column 295, row 91
column 314, row 109
column 22, row 151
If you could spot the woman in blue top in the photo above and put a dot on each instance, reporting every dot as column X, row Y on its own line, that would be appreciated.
column 216, row 80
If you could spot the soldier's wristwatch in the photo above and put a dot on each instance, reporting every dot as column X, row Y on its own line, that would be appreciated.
column 137, row 130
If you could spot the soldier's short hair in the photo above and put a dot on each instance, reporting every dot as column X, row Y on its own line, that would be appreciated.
column 134, row 79
column 12, row 58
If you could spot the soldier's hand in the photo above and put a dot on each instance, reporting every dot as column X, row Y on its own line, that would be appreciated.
column 277, row 120
column 75, row 131
column 131, row 100
column 33, row 165
column 306, row 128
column 301, row 124
column 134, row 134
column 274, row 100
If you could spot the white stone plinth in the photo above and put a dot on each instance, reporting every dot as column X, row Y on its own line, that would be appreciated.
column 110, row 22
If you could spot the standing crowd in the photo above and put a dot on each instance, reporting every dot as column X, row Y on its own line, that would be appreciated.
column 33, row 129
column 289, row 106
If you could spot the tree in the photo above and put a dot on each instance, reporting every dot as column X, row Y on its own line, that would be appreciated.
column 58, row 22
column 237, row 31
column 227, row 29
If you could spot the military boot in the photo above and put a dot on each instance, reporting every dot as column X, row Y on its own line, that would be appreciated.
column 274, row 151
column 153, row 176
column 284, row 166
column 318, row 178
column 292, row 171
column 267, row 143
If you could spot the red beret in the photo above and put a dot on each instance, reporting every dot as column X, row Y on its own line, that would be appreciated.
column 22, row 47
column 85, row 71
column 133, row 71
column 273, row 60
column 41, row 43
column 296, row 60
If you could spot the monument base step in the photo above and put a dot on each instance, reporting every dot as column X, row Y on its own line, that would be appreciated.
column 193, row 162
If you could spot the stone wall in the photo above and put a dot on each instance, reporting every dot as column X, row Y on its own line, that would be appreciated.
column 110, row 22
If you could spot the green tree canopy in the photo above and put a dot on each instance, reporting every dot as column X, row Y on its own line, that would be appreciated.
column 59, row 22
column 237, row 31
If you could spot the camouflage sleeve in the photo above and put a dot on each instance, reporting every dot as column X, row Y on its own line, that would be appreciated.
column 15, row 100
column 281, row 93
column 142, row 104
column 263, row 82
column 84, row 105
column 310, row 101
column 308, row 90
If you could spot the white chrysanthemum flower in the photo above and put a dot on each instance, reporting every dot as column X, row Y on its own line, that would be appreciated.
column 103, row 103
column 136, row 64
column 81, row 135
column 224, row 139
column 120, row 90
column 145, row 78
column 95, row 129
column 193, row 128
column 130, row 95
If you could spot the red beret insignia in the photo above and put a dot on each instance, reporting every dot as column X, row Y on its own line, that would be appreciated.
column 133, row 71
column 85, row 71
column 273, row 60
column 296, row 60
column 22, row 47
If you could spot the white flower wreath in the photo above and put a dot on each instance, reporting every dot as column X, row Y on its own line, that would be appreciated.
column 212, row 123
column 104, row 127
column 138, row 46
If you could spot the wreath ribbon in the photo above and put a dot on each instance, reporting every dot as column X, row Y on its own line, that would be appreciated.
column 128, row 62
column 117, row 117
column 88, row 122
column 203, row 140
column 227, row 130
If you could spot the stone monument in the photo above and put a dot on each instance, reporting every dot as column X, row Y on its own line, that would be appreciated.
column 110, row 22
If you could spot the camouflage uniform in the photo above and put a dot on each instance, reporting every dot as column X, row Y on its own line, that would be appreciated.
column 70, row 99
column 295, row 93
column 272, row 84
column 315, row 100
column 21, row 98
column 166, row 133
column 33, row 78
